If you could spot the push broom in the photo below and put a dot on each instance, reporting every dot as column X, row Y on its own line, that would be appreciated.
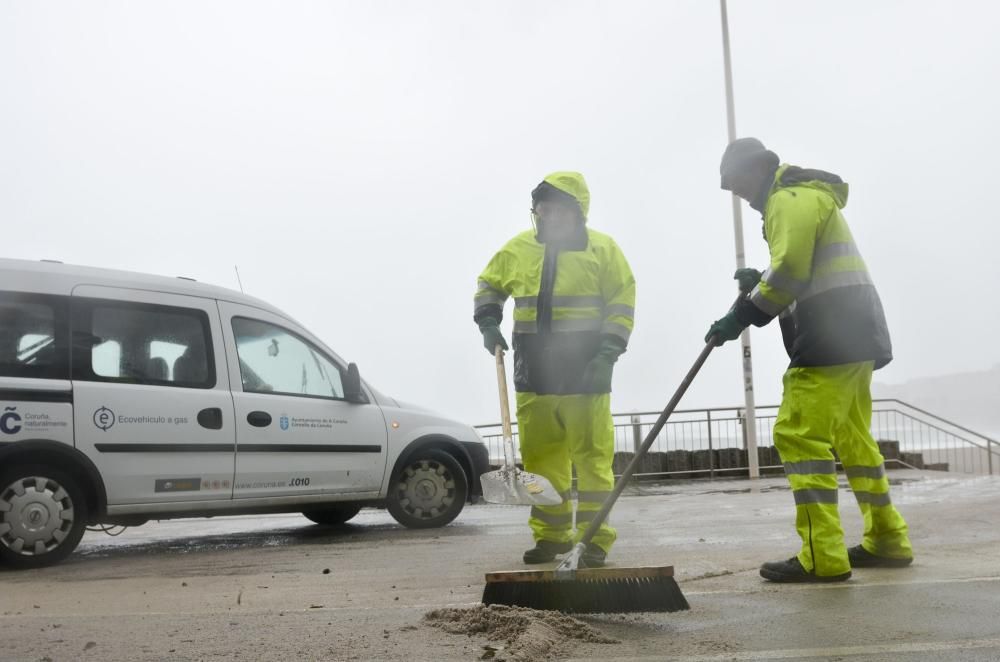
column 572, row 589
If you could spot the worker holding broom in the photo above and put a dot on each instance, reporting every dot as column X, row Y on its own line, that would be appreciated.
column 835, row 333
column 574, row 298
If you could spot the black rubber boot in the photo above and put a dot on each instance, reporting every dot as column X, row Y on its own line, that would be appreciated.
column 545, row 551
column 593, row 557
column 862, row 558
column 792, row 571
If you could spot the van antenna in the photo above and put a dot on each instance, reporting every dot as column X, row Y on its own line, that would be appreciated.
column 238, row 280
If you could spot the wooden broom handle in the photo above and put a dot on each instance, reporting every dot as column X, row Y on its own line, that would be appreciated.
column 602, row 514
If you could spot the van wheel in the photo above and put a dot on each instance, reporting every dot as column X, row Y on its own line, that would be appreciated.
column 334, row 514
column 42, row 516
column 428, row 491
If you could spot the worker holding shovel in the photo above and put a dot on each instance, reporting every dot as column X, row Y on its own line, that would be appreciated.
column 574, row 298
column 835, row 333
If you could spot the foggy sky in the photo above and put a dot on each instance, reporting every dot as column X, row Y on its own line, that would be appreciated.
column 362, row 161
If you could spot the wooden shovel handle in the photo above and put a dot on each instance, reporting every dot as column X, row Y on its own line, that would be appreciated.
column 508, row 432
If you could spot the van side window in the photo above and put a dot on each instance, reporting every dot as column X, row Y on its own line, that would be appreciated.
column 33, row 336
column 273, row 360
column 142, row 344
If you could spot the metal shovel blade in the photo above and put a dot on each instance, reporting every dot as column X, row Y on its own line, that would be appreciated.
column 513, row 487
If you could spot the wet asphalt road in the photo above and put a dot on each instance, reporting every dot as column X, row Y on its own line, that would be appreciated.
column 246, row 588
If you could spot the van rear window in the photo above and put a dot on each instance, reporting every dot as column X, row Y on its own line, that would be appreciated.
column 33, row 330
column 140, row 343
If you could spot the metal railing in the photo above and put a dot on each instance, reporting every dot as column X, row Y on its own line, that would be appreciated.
column 710, row 442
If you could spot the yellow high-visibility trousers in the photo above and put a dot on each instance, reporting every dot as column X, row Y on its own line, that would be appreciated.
column 558, row 433
column 825, row 409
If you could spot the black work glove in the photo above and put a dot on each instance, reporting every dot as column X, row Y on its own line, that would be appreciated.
column 726, row 329
column 748, row 278
column 492, row 336
column 597, row 374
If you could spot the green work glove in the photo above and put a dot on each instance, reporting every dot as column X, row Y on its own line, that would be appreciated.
column 597, row 374
column 748, row 279
column 728, row 328
column 492, row 337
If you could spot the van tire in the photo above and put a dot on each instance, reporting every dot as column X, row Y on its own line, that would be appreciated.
column 429, row 490
column 334, row 514
column 41, row 508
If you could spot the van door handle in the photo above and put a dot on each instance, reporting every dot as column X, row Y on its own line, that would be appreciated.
column 259, row 419
column 210, row 418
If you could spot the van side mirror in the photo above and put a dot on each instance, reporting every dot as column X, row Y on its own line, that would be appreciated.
column 352, row 385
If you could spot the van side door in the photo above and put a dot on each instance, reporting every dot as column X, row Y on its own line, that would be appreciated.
column 152, row 406
column 296, row 433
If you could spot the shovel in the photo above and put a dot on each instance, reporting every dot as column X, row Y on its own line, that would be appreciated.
column 508, row 484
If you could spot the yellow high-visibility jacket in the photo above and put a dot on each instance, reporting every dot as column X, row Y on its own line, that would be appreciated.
column 567, row 298
column 817, row 281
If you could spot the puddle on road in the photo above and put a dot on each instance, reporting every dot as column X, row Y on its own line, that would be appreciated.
column 748, row 490
column 785, row 487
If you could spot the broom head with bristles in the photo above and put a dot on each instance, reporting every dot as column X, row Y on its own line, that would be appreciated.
column 588, row 590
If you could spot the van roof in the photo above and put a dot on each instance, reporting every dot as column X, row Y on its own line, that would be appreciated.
column 48, row 277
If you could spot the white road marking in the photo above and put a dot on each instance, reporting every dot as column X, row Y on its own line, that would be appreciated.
column 838, row 651
column 773, row 588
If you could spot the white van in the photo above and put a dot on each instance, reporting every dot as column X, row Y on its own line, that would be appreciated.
column 127, row 397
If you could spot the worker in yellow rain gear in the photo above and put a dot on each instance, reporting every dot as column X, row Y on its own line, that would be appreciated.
column 835, row 332
column 574, row 299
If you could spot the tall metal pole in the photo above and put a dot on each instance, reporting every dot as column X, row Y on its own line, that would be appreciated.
column 750, row 422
